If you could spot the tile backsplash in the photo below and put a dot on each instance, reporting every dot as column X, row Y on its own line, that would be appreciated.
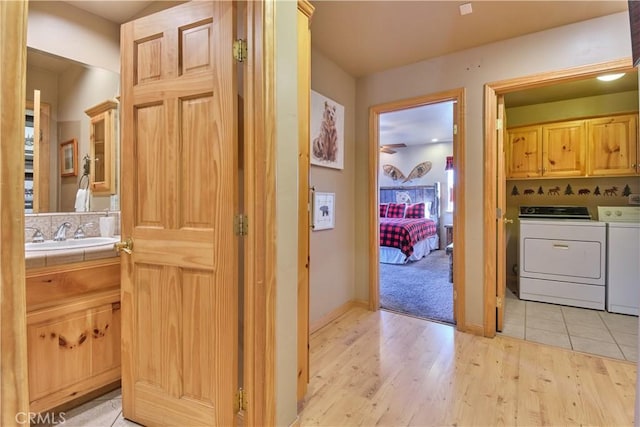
column 48, row 223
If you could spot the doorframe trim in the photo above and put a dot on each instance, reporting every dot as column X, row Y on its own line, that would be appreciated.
column 458, row 96
column 14, row 385
column 491, row 172
column 259, row 201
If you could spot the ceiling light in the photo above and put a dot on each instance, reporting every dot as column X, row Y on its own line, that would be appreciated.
column 434, row 140
column 465, row 9
column 610, row 77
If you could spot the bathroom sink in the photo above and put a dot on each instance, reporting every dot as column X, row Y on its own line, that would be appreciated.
column 87, row 242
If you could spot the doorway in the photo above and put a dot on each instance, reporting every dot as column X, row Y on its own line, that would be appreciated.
column 260, row 314
column 380, row 188
column 416, row 203
column 495, row 176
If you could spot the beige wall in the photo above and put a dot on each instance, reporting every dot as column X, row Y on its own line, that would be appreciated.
column 588, row 42
column 82, row 88
column 67, row 31
column 332, row 273
column 286, row 98
column 590, row 106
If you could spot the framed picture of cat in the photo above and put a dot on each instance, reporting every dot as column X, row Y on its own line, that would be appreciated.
column 327, row 132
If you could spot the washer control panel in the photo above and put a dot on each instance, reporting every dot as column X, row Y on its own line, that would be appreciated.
column 619, row 213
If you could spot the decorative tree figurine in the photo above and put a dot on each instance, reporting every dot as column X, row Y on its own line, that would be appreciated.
column 596, row 191
column 540, row 191
column 627, row 191
column 568, row 191
column 515, row 191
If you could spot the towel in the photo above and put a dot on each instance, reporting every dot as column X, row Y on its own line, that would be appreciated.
column 82, row 200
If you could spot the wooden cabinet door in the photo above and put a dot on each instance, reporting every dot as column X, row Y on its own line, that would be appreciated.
column 563, row 147
column 179, row 199
column 105, row 338
column 613, row 145
column 524, row 152
column 59, row 353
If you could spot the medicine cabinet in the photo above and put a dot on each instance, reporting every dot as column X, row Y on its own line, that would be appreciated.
column 102, row 149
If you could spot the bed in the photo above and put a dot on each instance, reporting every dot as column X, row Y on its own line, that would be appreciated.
column 409, row 223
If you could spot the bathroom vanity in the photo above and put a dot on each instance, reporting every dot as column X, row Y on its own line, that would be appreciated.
column 73, row 326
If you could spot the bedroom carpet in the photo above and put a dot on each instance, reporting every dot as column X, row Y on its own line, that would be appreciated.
column 420, row 288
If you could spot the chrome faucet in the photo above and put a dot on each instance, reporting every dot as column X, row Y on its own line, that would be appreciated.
column 79, row 234
column 61, row 233
column 37, row 237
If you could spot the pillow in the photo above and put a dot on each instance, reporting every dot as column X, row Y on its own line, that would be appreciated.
column 416, row 210
column 396, row 210
column 383, row 209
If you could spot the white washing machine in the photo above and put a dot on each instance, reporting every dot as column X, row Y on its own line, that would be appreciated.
column 623, row 257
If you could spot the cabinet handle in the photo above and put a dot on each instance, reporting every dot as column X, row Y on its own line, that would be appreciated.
column 507, row 221
column 558, row 246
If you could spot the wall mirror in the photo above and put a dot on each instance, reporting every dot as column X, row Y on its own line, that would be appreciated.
column 69, row 91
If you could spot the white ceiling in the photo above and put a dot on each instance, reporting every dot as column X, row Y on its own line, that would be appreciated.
column 364, row 37
column 418, row 125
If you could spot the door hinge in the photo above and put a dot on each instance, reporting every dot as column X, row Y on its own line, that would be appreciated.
column 455, row 129
column 499, row 302
column 241, row 225
column 498, row 124
column 455, row 294
column 241, row 400
column 240, row 50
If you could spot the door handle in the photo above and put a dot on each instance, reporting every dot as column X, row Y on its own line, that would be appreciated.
column 125, row 246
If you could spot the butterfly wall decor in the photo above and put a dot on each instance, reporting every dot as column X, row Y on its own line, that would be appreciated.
column 420, row 170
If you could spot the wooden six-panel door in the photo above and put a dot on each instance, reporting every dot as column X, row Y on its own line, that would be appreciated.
column 179, row 197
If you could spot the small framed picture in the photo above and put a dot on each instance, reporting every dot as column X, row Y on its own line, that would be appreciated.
column 69, row 158
column 323, row 210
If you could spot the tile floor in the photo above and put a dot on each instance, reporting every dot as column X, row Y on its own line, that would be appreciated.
column 103, row 411
column 588, row 331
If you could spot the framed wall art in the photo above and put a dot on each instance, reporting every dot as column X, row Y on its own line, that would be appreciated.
column 323, row 210
column 69, row 158
column 327, row 132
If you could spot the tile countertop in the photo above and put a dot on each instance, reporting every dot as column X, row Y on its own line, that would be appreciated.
column 35, row 259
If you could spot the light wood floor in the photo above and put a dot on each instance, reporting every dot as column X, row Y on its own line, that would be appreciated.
column 380, row 368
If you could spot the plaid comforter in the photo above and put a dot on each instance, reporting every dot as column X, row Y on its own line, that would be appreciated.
column 403, row 233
